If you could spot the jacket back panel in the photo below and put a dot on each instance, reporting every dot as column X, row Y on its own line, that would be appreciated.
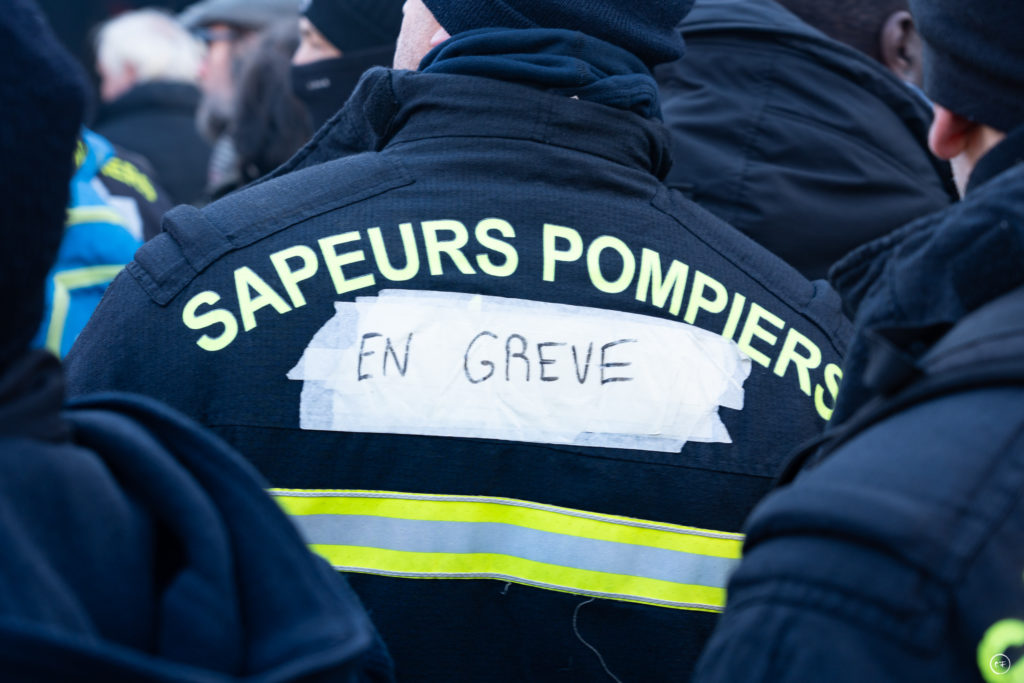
column 409, row 218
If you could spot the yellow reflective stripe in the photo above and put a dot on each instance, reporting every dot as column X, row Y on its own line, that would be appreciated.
column 58, row 318
column 466, row 537
column 92, row 214
column 80, row 153
column 87, row 277
column 509, row 511
column 63, row 283
column 525, row 572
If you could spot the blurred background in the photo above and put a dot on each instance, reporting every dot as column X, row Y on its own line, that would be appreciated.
column 74, row 20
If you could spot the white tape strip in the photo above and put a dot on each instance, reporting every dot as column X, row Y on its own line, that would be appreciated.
column 447, row 364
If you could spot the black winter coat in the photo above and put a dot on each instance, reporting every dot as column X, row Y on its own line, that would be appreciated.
column 158, row 121
column 808, row 146
column 899, row 557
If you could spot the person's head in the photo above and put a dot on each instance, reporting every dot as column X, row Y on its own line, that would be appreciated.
column 142, row 46
column 647, row 29
column 230, row 29
column 882, row 29
column 329, row 29
column 339, row 40
column 974, row 73
column 43, row 106
column 313, row 45
column 270, row 124
column 226, row 49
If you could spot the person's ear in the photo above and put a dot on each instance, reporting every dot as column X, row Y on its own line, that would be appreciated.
column 950, row 133
column 901, row 48
column 439, row 37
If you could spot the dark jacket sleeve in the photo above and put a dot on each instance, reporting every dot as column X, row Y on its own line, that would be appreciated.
column 895, row 559
column 779, row 630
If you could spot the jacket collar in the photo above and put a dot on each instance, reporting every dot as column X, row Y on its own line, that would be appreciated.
column 1002, row 157
column 31, row 395
column 756, row 16
column 905, row 289
column 442, row 105
column 392, row 107
column 557, row 61
column 149, row 96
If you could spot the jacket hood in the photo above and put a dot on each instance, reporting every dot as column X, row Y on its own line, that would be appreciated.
column 181, row 567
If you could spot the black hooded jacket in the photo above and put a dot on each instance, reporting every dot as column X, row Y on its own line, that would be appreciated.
column 898, row 555
column 137, row 547
column 808, row 146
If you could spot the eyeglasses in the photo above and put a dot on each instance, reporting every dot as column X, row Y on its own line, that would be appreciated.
column 212, row 35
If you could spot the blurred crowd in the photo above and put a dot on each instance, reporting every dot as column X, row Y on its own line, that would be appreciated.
column 220, row 93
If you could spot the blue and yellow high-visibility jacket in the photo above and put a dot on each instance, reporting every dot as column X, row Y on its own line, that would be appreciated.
column 97, row 244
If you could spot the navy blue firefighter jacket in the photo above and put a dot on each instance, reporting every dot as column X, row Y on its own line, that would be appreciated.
column 803, row 143
column 900, row 556
column 493, row 367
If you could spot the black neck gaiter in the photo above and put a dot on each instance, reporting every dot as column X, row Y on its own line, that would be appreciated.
column 324, row 86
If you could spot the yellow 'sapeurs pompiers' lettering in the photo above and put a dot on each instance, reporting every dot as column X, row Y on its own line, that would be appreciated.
column 450, row 247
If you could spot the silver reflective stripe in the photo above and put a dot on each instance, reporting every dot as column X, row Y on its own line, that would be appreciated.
column 506, row 539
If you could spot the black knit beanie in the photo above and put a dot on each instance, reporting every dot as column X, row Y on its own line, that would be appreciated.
column 647, row 28
column 974, row 58
column 43, row 103
column 353, row 25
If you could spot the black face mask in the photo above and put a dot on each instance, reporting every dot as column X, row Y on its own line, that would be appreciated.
column 325, row 85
